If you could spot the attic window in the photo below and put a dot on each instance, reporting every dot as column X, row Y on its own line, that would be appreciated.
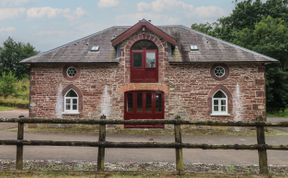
column 95, row 48
column 194, row 48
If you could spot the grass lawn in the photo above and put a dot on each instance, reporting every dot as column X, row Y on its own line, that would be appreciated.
column 6, row 108
column 119, row 175
column 279, row 114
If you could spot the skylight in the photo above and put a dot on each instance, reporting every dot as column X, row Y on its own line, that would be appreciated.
column 95, row 48
column 194, row 48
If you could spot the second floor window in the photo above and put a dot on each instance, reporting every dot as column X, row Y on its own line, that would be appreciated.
column 144, row 62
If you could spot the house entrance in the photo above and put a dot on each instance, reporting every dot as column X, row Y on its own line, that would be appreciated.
column 144, row 105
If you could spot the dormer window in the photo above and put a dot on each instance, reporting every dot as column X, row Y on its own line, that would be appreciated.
column 144, row 62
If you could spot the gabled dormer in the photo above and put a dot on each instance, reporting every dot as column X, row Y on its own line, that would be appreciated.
column 144, row 50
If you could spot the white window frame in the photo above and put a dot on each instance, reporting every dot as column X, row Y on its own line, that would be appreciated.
column 71, row 110
column 219, row 112
column 224, row 71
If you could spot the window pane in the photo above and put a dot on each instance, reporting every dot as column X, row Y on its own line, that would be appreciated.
column 71, row 93
column 216, row 108
column 215, row 102
column 223, row 108
column 144, row 44
column 223, row 102
column 137, row 59
column 74, row 106
column 219, row 94
column 129, row 102
column 68, row 104
column 139, row 102
column 148, row 102
column 150, row 60
column 158, row 102
column 75, row 101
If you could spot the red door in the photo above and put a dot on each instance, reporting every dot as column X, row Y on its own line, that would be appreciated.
column 144, row 105
column 144, row 66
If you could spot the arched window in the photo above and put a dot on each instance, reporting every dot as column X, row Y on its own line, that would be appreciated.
column 219, row 103
column 71, row 102
column 144, row 64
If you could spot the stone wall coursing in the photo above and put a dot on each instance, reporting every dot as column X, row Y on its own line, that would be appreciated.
column 186, row 86
column 190, row 85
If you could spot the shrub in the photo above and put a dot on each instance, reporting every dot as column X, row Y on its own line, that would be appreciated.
column 7, row 84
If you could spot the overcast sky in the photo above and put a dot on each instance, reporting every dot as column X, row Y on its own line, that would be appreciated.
column 47, row 24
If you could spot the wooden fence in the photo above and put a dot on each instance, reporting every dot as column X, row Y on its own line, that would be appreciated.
column 178, row 145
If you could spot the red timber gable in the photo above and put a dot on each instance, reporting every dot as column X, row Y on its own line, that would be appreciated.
column 143, row 24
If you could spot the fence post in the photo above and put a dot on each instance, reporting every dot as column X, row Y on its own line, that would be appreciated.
column 19, row 147
column 101, row 148
column 262, row 152
column 179, row 150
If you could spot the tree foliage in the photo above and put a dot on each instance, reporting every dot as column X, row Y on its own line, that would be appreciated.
column 11, row 54
column 261, row 26
column 7, row 84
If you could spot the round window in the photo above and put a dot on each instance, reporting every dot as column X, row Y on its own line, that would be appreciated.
column 71, row 72
column 219, row 71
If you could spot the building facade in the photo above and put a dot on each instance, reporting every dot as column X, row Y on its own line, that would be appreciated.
column 148, row 72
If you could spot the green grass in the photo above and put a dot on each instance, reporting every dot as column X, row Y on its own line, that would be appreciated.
column 6, row 108
column 20, row 98
column 279, row 114
column 27, row 174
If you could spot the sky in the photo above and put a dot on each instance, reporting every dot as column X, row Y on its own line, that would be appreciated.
column 47, row 24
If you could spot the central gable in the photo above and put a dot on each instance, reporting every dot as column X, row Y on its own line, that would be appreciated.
column 143, row 24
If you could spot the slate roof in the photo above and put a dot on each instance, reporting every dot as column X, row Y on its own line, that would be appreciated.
column 210, row 49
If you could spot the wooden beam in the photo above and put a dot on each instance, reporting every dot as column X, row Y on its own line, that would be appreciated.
column 19, row 146
column 179, row 150
column 140, row 145
column 144, row 122
column 262, row 152
column 101, row 147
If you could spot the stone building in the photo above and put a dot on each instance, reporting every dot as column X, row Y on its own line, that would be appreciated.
column 148, row 72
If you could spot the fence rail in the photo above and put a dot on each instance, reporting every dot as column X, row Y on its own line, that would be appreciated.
column 178, row 145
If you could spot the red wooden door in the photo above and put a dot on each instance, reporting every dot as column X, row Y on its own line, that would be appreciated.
column 144, row 66
column 144, row 105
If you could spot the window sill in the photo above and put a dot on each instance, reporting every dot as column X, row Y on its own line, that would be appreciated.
column 71, row 113
column 220, row 114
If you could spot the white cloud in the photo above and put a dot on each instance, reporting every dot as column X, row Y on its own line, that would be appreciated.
column 158, row 19
column 6, row 13
column 7, row 29
column 209, row 11
column 161, row 5
column 13, row 2
column 181, row 6
column 108, row 3
column 42, row 12
column 38, row 12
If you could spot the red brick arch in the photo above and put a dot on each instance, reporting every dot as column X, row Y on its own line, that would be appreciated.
column 144, row 36
column 228, row 94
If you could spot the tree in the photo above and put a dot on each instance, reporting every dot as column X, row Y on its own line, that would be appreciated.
column 7, row 84
column 261, row 26
column 11, row 54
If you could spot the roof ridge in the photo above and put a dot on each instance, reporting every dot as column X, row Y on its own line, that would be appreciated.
column 228, row 43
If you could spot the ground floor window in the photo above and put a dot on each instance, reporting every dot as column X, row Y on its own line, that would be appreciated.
column 219, row 103
column 71, row 102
